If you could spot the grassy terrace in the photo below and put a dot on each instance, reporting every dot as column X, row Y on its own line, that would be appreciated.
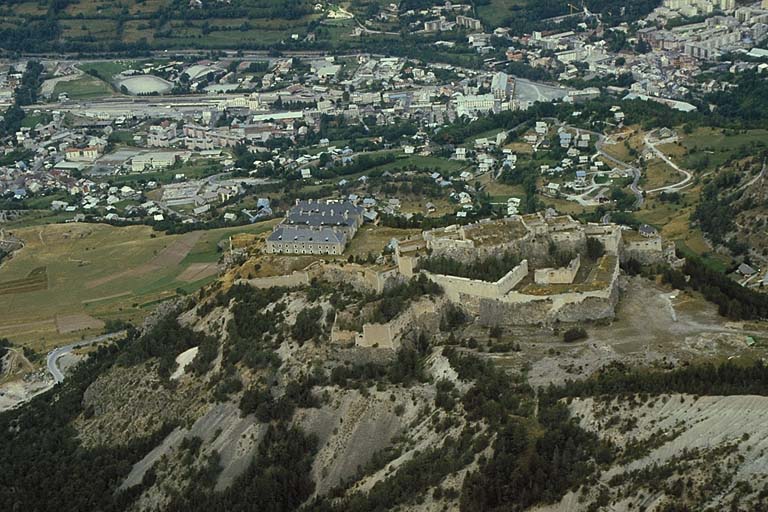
column 709, row 148
column 631, row 235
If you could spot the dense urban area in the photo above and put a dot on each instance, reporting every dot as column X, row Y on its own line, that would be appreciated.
column 284, row 255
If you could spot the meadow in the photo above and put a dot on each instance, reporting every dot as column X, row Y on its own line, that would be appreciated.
column 84, row 272
column 83, row 88
column 709, row 148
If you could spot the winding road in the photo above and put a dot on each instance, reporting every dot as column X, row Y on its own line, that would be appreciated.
column 634, row 187
column 56, row 354
column 756, row 178
column 687, row 176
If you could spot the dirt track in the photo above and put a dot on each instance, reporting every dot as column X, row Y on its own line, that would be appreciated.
column 198, row 271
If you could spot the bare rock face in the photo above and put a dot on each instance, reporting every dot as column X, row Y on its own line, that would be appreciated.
column 130, row 403
column 701, row 451
column 353, row 427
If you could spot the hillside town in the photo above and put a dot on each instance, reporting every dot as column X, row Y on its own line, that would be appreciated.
column 310, row 255
column 156, row 149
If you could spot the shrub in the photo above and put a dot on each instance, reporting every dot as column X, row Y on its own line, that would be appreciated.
column 574, row 334
column 595, row 248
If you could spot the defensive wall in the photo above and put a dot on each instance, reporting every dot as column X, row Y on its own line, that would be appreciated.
column 544, row 297
column 361, row 277
column 646, row 250
column 455, row 287
column 292, row 280
column 562, row 275
column 608, row 234
column 594, row 299
column 420, row 315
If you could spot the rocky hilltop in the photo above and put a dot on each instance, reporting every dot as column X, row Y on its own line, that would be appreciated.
column 241, row 397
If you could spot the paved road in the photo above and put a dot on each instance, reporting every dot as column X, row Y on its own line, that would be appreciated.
column 634, row 186
column 55, row 355
column 687, row 176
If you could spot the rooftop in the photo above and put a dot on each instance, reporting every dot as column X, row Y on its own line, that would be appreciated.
column 302, row 234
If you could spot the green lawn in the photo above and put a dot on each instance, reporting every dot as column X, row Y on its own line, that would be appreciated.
column 83, row 88
column 494, row 12
column 191, row 170
column 206, row 249
column 423, row 163
column 32, row 120
column 713, row 262
column 109, row 68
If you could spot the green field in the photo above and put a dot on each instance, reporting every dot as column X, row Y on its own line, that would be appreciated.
column 83, row 88
column 191, row 170
column 709, row 148
column 32, row 120
column 98, row 24
column 70, row 273
column 495, row 11
column 422, row 163
column 109, row 68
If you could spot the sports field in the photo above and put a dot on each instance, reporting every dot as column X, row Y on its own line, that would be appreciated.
column 83, row 88
column 69, row 278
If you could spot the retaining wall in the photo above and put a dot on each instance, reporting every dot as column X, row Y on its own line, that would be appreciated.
column 425, row 313
column 517, row 308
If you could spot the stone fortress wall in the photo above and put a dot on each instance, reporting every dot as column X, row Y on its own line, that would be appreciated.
column 292, row 280
column 558, row 298
column 595, row 301
column 526, row 295
column 644, row 250
column 362, row 278
column 455, row 287
column 562, row 275
column 423, row 314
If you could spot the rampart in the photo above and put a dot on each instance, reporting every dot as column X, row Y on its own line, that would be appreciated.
column 424, row 314
column 454, row 286
column 594, row 299
column 361, row 277
column 608, row 234
column 292, row 280
column 646, row 250
column 562, row 275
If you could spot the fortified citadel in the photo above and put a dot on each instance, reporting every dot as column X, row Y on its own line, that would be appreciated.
column 532, row 292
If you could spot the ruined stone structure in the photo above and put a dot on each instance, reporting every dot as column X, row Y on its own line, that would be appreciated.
column 530, row 295
column 361, row 277
column 594, row 299
column 292, row 280
column 423, row 314
column 646, row 250
column 562, row 275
